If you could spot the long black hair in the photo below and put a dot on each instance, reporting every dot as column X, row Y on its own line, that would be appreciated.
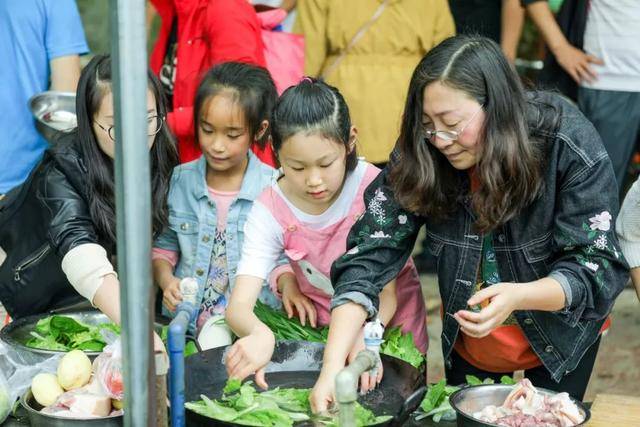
column 509, row 167
column 251, row 86
column 313, row 106
column 94, row 84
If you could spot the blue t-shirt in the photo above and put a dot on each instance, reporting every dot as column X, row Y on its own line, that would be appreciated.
column 32, row 32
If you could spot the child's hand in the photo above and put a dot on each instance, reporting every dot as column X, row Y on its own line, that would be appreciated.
column 171, row 295
column 503, row 298
column 251, row 354
column 322, row 393
column 293, row 299
column 367, row 382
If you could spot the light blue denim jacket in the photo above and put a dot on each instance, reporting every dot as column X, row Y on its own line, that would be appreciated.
column 193, row 221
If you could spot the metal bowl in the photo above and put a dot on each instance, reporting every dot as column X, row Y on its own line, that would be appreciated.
column 54, row 113
column 18, row 332
column 472, row 399
column 38, row 419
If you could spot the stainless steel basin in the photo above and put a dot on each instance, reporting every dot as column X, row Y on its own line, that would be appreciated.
column 54, row 113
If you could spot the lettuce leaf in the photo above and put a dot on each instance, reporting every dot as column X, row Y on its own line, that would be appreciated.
column 242, row 404
column 63, row 333
column 436, row 401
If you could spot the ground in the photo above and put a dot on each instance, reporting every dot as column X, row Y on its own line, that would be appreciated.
column 617, row 369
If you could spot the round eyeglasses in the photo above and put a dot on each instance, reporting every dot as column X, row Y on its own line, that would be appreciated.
column 154, row 124
column 448, row 135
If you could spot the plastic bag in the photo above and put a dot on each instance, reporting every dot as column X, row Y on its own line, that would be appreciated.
column 17, row 369
column 108, row 370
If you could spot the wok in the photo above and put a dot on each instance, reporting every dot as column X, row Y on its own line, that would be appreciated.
column 297, row 364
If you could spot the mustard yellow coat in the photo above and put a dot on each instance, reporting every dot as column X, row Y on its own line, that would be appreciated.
column 374, row 76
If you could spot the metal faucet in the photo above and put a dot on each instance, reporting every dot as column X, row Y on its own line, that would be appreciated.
column 347, row 386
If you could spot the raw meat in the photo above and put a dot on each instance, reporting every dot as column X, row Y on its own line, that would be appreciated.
column 84, row 402
column 526, row 407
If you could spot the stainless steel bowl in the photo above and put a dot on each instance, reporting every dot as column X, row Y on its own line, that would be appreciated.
column 472, row 399
column 54, row 113
column 38, row 419
column 18, row 332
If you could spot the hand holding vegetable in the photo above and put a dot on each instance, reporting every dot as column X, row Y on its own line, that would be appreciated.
column 503, row 299
column 544, row 294
column 322, row 394
column 251, row 354
column 294, row 300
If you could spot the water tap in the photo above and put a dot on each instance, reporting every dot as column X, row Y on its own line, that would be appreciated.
column 189, row 290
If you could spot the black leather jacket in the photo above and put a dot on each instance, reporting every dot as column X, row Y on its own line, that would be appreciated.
column 40, row 221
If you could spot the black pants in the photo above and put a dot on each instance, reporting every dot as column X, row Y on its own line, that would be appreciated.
column 575, row 383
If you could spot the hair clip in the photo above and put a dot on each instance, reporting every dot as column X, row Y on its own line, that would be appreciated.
column 306, row 79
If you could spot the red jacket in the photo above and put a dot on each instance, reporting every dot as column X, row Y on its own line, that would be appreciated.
column 209, row 32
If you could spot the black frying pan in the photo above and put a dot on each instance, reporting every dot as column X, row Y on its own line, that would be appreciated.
column 297, row 364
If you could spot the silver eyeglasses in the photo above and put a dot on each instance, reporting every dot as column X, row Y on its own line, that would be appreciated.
column 154, row 124
column 449, row 135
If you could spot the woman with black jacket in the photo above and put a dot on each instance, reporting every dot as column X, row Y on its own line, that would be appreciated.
column 518, row 198
column 58, row 228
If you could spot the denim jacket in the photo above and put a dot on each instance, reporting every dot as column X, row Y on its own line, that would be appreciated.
column 193, row 221
column 567, row 234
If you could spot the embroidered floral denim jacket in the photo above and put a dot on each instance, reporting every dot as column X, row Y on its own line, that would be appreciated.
column 567, row 234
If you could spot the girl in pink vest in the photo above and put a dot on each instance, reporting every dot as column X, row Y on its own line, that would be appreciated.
column 307, row 215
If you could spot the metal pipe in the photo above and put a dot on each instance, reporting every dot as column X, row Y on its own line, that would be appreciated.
column 176, row 344
column 133, row 207
column 185, row 313
column 347, row 386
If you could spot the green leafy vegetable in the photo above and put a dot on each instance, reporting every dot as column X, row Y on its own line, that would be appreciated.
column 505, row 379
column 232, row 385
column 242, row 404
column 63, row 333
column 190, row 348
column 401, row 346
column 436, row 401
column 288, row 329
column 396, row 344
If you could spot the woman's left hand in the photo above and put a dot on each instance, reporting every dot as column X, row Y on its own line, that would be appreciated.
column 503, row 299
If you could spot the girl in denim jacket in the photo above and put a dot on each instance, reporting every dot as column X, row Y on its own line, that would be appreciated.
column 518, row 199
column 210, row 197
column 306, row 215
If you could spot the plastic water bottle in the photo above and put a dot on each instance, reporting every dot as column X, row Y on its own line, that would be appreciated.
column 373, row 332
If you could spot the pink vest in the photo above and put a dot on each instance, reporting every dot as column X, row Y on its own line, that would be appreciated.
column 311, row 253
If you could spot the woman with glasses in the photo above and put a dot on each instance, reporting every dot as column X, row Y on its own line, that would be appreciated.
column 59, row 229
column 518, row 199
